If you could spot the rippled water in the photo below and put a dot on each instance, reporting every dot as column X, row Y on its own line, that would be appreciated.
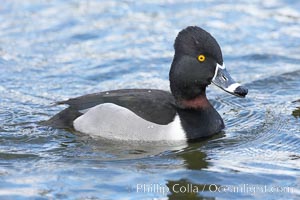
column 54, row 50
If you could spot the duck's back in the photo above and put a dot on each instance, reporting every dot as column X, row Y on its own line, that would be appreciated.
column 156, row 106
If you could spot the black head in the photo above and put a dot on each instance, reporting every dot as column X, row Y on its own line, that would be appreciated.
column 197, row 54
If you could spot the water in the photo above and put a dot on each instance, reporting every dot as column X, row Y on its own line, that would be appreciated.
column 54, row 50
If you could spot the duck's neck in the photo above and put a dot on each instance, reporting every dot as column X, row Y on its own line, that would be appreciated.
column 199, row 102
column 199, row 118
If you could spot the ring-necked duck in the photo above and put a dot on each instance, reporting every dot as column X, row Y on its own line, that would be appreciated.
column 150, row 114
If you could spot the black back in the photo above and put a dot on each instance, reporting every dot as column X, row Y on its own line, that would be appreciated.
column 156, row 106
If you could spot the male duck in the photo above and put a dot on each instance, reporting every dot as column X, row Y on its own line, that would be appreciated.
column 152, row 115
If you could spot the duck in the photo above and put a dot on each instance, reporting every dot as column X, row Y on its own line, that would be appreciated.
column 183, row 113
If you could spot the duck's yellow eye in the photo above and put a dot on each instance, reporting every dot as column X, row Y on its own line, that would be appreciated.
column 201, row 58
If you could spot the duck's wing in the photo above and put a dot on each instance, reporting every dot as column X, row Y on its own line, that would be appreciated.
column 156, row 106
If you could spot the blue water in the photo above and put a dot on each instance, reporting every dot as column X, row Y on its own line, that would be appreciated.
column 55, row 50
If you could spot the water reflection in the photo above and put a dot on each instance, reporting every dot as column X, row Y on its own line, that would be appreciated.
column 196, row 160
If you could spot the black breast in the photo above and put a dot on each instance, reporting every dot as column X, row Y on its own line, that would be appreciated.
column 200, row 123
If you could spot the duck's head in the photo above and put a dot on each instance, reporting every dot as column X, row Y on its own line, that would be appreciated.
column 198, row 62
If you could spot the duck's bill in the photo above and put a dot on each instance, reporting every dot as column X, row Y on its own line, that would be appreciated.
column 223, row 80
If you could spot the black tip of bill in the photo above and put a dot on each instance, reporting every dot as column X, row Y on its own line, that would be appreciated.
column 240, row 91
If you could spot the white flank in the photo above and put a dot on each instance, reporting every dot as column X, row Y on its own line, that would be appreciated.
column 115, row 122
